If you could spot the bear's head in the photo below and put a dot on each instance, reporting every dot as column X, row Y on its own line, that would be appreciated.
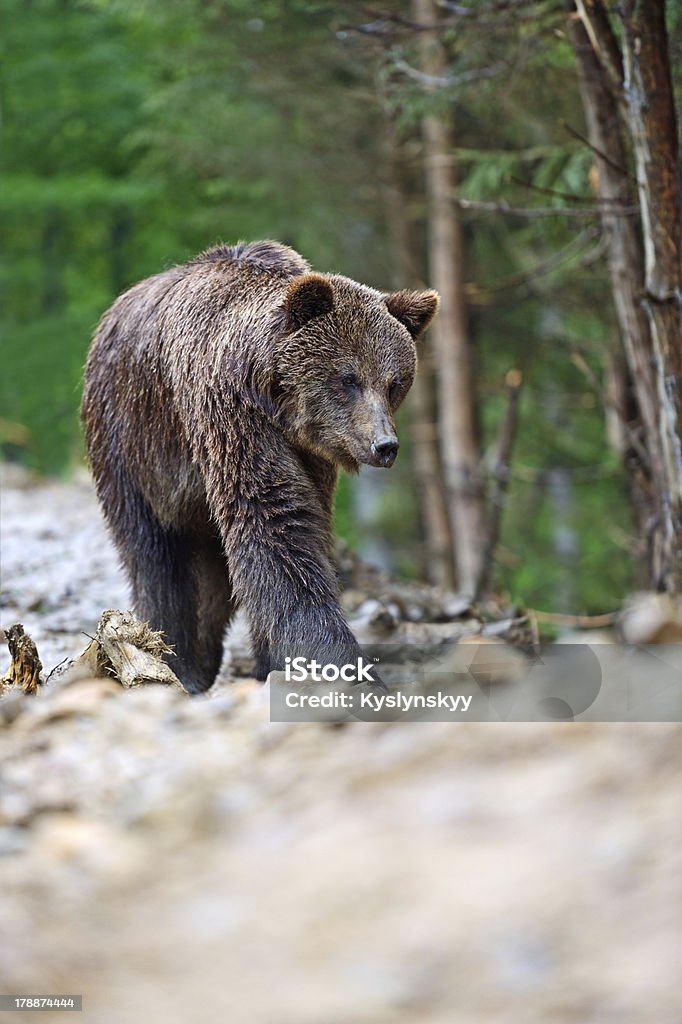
column 346, row 358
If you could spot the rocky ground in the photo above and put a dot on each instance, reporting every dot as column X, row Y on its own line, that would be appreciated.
column 177, row 860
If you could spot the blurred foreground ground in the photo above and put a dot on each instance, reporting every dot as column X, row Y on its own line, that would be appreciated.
column 180, row 860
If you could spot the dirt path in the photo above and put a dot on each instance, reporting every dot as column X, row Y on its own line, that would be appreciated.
column 58, row 567
column 180, row 860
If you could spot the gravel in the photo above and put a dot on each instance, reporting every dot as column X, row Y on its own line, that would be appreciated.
column 177, row 860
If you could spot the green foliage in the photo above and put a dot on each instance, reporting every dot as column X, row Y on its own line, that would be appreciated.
column 136, row 133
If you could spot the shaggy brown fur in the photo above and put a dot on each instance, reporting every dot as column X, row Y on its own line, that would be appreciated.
column 220, row 399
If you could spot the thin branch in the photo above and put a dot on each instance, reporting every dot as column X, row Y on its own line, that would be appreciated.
column 570, row 197
column 580, row 363
column 535, row 213
column 450, row 81
column 529, row 153
column 581, row 474
column 600, row 32
column 582, row 138
column 389, row 23
column 542, row 268
column 498, row 7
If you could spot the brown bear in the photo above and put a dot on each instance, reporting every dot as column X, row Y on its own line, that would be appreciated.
column 221, row 397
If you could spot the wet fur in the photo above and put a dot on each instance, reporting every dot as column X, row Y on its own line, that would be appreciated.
column 215, row 422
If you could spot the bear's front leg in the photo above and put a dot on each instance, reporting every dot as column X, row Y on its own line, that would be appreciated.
column 276, row 537
column 287, row 585
column 274, row 518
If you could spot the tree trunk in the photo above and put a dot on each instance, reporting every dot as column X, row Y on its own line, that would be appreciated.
column 644, row 269
column 626, row 271
column 459, row 448
column 653, row 128
column 437, row 548
column 500, row 481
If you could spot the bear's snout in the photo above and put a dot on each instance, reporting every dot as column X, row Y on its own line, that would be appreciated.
column 384, row 450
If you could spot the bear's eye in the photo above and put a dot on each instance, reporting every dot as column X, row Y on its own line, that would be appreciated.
column 350, row 382
column 394, row 390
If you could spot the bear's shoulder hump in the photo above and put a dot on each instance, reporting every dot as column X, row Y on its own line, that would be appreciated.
column 267, row 256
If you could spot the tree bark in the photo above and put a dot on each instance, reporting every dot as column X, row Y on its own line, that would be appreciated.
column 653, row 129
column 625, row 259
column 437, row 548
column 459, row 449
column 500, row 480
column 644, row 260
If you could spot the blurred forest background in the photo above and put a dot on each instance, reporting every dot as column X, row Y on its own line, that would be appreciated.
column 402, row 143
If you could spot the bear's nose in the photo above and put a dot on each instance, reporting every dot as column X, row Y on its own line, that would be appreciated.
column 386, row 449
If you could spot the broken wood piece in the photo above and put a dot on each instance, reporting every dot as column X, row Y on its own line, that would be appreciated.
column 26, row 667
column 129, row 650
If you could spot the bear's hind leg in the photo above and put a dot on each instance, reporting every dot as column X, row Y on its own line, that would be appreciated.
column 215, row 604
column 161, row 566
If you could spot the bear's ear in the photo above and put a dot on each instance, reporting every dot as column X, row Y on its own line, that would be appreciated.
column 309, row 296
column 415, row 310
